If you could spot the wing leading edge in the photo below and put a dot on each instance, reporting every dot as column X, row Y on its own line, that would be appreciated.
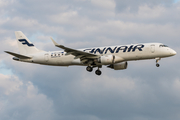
column 84, row 56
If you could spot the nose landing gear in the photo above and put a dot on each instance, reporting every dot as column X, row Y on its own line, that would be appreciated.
column 157, row 65
column 157, row 60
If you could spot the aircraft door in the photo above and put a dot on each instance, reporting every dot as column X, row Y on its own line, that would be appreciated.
column 46, row 57
column 152, row 48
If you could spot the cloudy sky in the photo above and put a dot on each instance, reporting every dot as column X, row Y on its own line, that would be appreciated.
column 141, row 92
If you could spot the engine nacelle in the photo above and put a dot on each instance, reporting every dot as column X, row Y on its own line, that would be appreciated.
column 118, row 66
column 106, row 60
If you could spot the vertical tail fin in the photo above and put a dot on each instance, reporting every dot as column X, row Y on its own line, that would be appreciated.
column 25, row 46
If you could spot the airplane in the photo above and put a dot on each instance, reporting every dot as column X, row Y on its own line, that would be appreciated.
column 114, row 57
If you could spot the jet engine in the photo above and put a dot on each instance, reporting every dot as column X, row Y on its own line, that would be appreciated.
column 106, row 60
column 118, row 66
column 109, row 59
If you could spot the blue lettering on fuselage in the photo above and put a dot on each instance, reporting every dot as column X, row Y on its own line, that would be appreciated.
column 130, row 48
column 99, row 50
column 139, row 47
column 92, row 51
column 110, row 49
column 124, row 49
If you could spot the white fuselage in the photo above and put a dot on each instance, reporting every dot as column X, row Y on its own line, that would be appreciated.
column 123, row 52
column 115, row 57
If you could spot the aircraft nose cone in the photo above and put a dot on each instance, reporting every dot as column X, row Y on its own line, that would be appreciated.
column 173, row 52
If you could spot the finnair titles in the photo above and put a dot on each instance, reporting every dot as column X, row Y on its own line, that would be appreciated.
column 105, row 50
column 114, row 57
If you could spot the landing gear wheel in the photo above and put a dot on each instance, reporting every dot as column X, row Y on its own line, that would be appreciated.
column 157, row 60
column 98, row 72
column 89, row 68
column 157, row 65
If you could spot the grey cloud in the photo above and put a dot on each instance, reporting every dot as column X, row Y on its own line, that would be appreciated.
column 134, row 5
column 87, row 94
column 79, row 26
column 141, row 92
column 22, row 100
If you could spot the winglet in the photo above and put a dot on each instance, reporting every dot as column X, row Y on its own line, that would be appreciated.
column 56, row 44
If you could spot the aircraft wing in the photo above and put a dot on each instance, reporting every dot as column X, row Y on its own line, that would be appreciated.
column 84, row 56
column 18, row 55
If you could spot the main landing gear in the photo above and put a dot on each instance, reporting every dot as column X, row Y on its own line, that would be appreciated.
column 157, row 60
column 98, row 72
column 90, row 69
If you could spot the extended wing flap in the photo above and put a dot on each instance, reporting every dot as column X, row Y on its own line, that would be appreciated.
column 18, row 55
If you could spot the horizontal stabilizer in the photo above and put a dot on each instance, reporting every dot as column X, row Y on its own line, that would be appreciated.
column 18, row 55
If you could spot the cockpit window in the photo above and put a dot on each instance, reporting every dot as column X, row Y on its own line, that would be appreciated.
column 163, row 46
